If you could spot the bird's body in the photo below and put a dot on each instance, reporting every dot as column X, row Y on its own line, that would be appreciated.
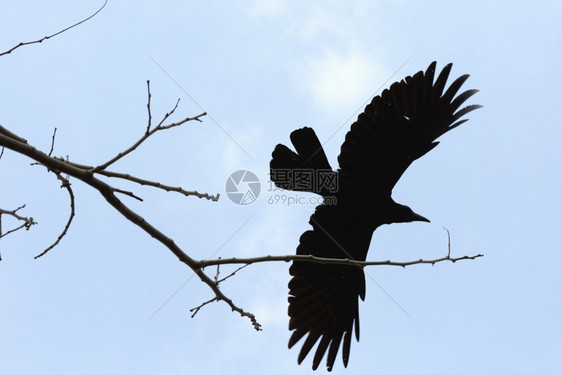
column 398, row 127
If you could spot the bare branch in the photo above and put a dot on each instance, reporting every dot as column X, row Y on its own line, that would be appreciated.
column 196, row 118
column 220, row 296
column 168, row 114
column 86, row 174
column 65, row 184
column 144, row 138
column 342, row 261
column 149, row 131
column 218, row 281
column 309, row 258
column 21, row 44
column 108, row 192
column 27, row 221
column 195, row 310
column 158, row 185
column 126, row 176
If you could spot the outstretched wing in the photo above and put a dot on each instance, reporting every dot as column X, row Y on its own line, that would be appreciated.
column 401, row 125
column 323, row 298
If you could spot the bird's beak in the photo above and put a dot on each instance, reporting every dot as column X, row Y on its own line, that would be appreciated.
column 416, row 217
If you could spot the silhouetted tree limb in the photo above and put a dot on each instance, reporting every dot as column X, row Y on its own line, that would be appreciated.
column 89, row 174
column 351, row 262
column 343, row 261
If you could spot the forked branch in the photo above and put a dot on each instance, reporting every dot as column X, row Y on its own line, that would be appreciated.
column 150, row 131
column 27, row 221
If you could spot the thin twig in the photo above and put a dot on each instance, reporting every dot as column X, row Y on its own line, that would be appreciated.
column 148, row 107
column 24, row 225
column 217, row 274
column 129, row 193
column 195, row 310
column 158, row 185
column 21, row 44
column 27, row 221
column 65, row 184
column 232, row 274
column 53, row 141
column 448, row 241
column 144, row 138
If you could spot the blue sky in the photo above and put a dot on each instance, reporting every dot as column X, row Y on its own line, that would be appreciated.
column 262, row 69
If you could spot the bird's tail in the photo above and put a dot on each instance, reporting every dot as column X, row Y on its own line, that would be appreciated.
column 292, row 170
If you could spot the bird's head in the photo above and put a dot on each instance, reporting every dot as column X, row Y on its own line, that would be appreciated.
column 404, row 214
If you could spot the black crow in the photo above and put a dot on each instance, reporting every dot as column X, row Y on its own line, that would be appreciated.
column 396, row 128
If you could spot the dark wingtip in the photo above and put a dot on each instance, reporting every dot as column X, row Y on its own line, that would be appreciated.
column 417, row 217
column 442, row 80
column 431, row 67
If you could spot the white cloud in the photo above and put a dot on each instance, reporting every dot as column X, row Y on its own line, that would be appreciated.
column 339, row 61
column 341, row 81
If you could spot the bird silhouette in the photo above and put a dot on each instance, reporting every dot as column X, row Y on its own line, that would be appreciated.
column 399, row 126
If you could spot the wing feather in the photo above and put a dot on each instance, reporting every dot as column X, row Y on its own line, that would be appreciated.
column 401, row 125
column 323, row 298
